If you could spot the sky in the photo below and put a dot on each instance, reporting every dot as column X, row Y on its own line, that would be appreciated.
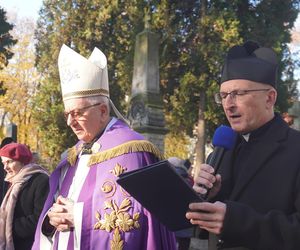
column 24, row 8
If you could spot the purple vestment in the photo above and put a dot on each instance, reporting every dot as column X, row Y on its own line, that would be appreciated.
column 111, row 218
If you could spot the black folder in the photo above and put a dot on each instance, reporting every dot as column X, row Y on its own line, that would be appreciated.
column 162, row 191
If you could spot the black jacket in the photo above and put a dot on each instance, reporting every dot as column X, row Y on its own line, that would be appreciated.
column 263, row 201
column 28, row 208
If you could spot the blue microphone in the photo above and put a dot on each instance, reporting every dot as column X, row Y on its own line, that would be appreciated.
column 224, row 139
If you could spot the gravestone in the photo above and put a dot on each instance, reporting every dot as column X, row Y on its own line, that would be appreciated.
column 295, row 112
column 10, row 130
column 146, row 113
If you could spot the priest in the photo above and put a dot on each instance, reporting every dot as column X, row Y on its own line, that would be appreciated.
column 85, row 208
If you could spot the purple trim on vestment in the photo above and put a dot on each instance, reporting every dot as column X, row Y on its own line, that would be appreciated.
column 53, row 185
column 64, row 190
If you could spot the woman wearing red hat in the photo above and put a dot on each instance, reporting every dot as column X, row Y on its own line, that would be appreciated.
column 24, row 200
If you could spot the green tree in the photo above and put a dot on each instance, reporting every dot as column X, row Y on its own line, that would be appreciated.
column 196, row 35
column 20, row 79
column 200, row 35
column 6, row 39
column 270, row 23
column 177, row 145
column 109, row 25
column 194, row 38
column 6, row 42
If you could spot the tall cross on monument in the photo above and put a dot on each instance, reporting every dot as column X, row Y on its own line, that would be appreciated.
column 147, row 18
column 146, row 113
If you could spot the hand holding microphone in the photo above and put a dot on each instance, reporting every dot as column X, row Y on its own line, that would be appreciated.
column 224, row 139
column 207, row 180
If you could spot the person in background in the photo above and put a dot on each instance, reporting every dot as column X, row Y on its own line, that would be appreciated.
column 188, row 165
column 86, row 208
column 183, row 237
column 254, row 199
column 35, row 158
column 5, row 141
column 289, row 119
column 24, row 199
column 3, row 184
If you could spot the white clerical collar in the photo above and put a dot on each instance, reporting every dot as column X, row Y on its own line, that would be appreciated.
column 246, row 137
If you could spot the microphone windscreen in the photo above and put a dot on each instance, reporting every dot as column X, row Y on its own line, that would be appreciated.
column 224, row 137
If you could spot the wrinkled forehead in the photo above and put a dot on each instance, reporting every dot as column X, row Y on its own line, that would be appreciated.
column 75, row 103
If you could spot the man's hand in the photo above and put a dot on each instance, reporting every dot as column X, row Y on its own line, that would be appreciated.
column 207, row 180
column 61, row 214
column 208, row 216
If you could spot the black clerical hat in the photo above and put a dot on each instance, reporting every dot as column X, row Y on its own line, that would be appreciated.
column 250, row 62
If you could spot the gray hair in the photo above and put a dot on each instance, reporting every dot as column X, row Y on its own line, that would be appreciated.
column 98, row 99
column 110, row 105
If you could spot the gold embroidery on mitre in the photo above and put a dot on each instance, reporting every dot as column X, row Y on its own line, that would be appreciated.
column 88, row 92
column 125, row 148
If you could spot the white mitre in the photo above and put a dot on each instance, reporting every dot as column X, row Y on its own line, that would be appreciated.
column 81, row 77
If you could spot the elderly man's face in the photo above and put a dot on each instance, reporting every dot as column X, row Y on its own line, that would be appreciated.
column 86, row 120
column 250, row 110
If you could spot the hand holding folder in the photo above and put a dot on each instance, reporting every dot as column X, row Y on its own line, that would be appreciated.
column 162, row 191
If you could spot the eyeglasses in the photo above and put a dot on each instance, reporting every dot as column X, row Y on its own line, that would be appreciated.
column 77, row 113
column 219, row 97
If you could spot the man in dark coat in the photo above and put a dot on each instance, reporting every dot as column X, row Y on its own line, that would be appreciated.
column 255, row 196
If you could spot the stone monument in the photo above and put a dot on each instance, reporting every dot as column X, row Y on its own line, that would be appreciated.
column 11, row 131
column 146, row 113
column 9, row 128
column 295, row 112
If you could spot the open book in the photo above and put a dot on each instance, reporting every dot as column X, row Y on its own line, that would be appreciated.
column 162, row 191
